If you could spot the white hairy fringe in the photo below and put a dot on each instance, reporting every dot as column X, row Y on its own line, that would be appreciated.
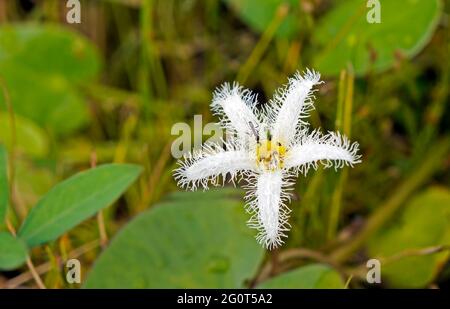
column 331, row 149
column 267, row 191
column 236, row 107
column 291, row 104
column 211, row 163
column 272, row 221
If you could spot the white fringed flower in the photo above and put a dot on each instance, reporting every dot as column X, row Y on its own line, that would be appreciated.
column 267, row 148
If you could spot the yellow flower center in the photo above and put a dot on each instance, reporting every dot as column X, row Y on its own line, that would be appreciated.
column 270, row 155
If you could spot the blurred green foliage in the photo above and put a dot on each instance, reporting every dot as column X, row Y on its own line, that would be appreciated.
column 110, row 89
column 28, row 138
column 51, row 61
column 314, row 276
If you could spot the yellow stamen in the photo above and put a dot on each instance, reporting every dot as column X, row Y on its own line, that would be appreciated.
column 270, row 154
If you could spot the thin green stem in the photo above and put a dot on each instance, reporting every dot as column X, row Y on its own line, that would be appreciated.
column 262, row 44
column 344, row 118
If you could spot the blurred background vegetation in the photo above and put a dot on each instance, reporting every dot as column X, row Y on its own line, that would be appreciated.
column 110, row 88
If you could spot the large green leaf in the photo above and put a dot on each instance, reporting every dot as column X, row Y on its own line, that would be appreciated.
column 346, row 36
column 424, row 223
column 75, row 200
column 30, row 138
column 259, row 14
column 315, row 276
column 4, row 188
column 41, row 66
column 13, row 251
column 185, row 242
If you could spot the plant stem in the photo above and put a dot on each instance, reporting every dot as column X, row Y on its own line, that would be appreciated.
column 152, row 69
column 360, row 271
column 341, row 99
column 348, row 103
column 155, row 177
column 45, row 267
column 262, row 44
column 30, row 265
column 35, row 274
column 100, row 219
column 343, row 118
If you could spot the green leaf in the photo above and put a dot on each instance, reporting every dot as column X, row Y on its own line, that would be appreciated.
column 259, row 14
column 30, row 138
column 186, row 242
column 424, row 223
column 315, row 276
column 13, row 252
column 346, row 36
column 4, row 188
column 42, row 66
column 76, row 199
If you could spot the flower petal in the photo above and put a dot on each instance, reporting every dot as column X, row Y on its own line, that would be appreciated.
column 292, row 103
column 325, row 148
column 207, row 165
column 268, row 199
column 237, row 108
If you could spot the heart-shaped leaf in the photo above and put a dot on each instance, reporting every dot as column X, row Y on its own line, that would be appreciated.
column 315, row 276
column 346, row 36
column 13, row 251
column 42, row 66
column 76, row 199
column 185, row 242
column 424, row 223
